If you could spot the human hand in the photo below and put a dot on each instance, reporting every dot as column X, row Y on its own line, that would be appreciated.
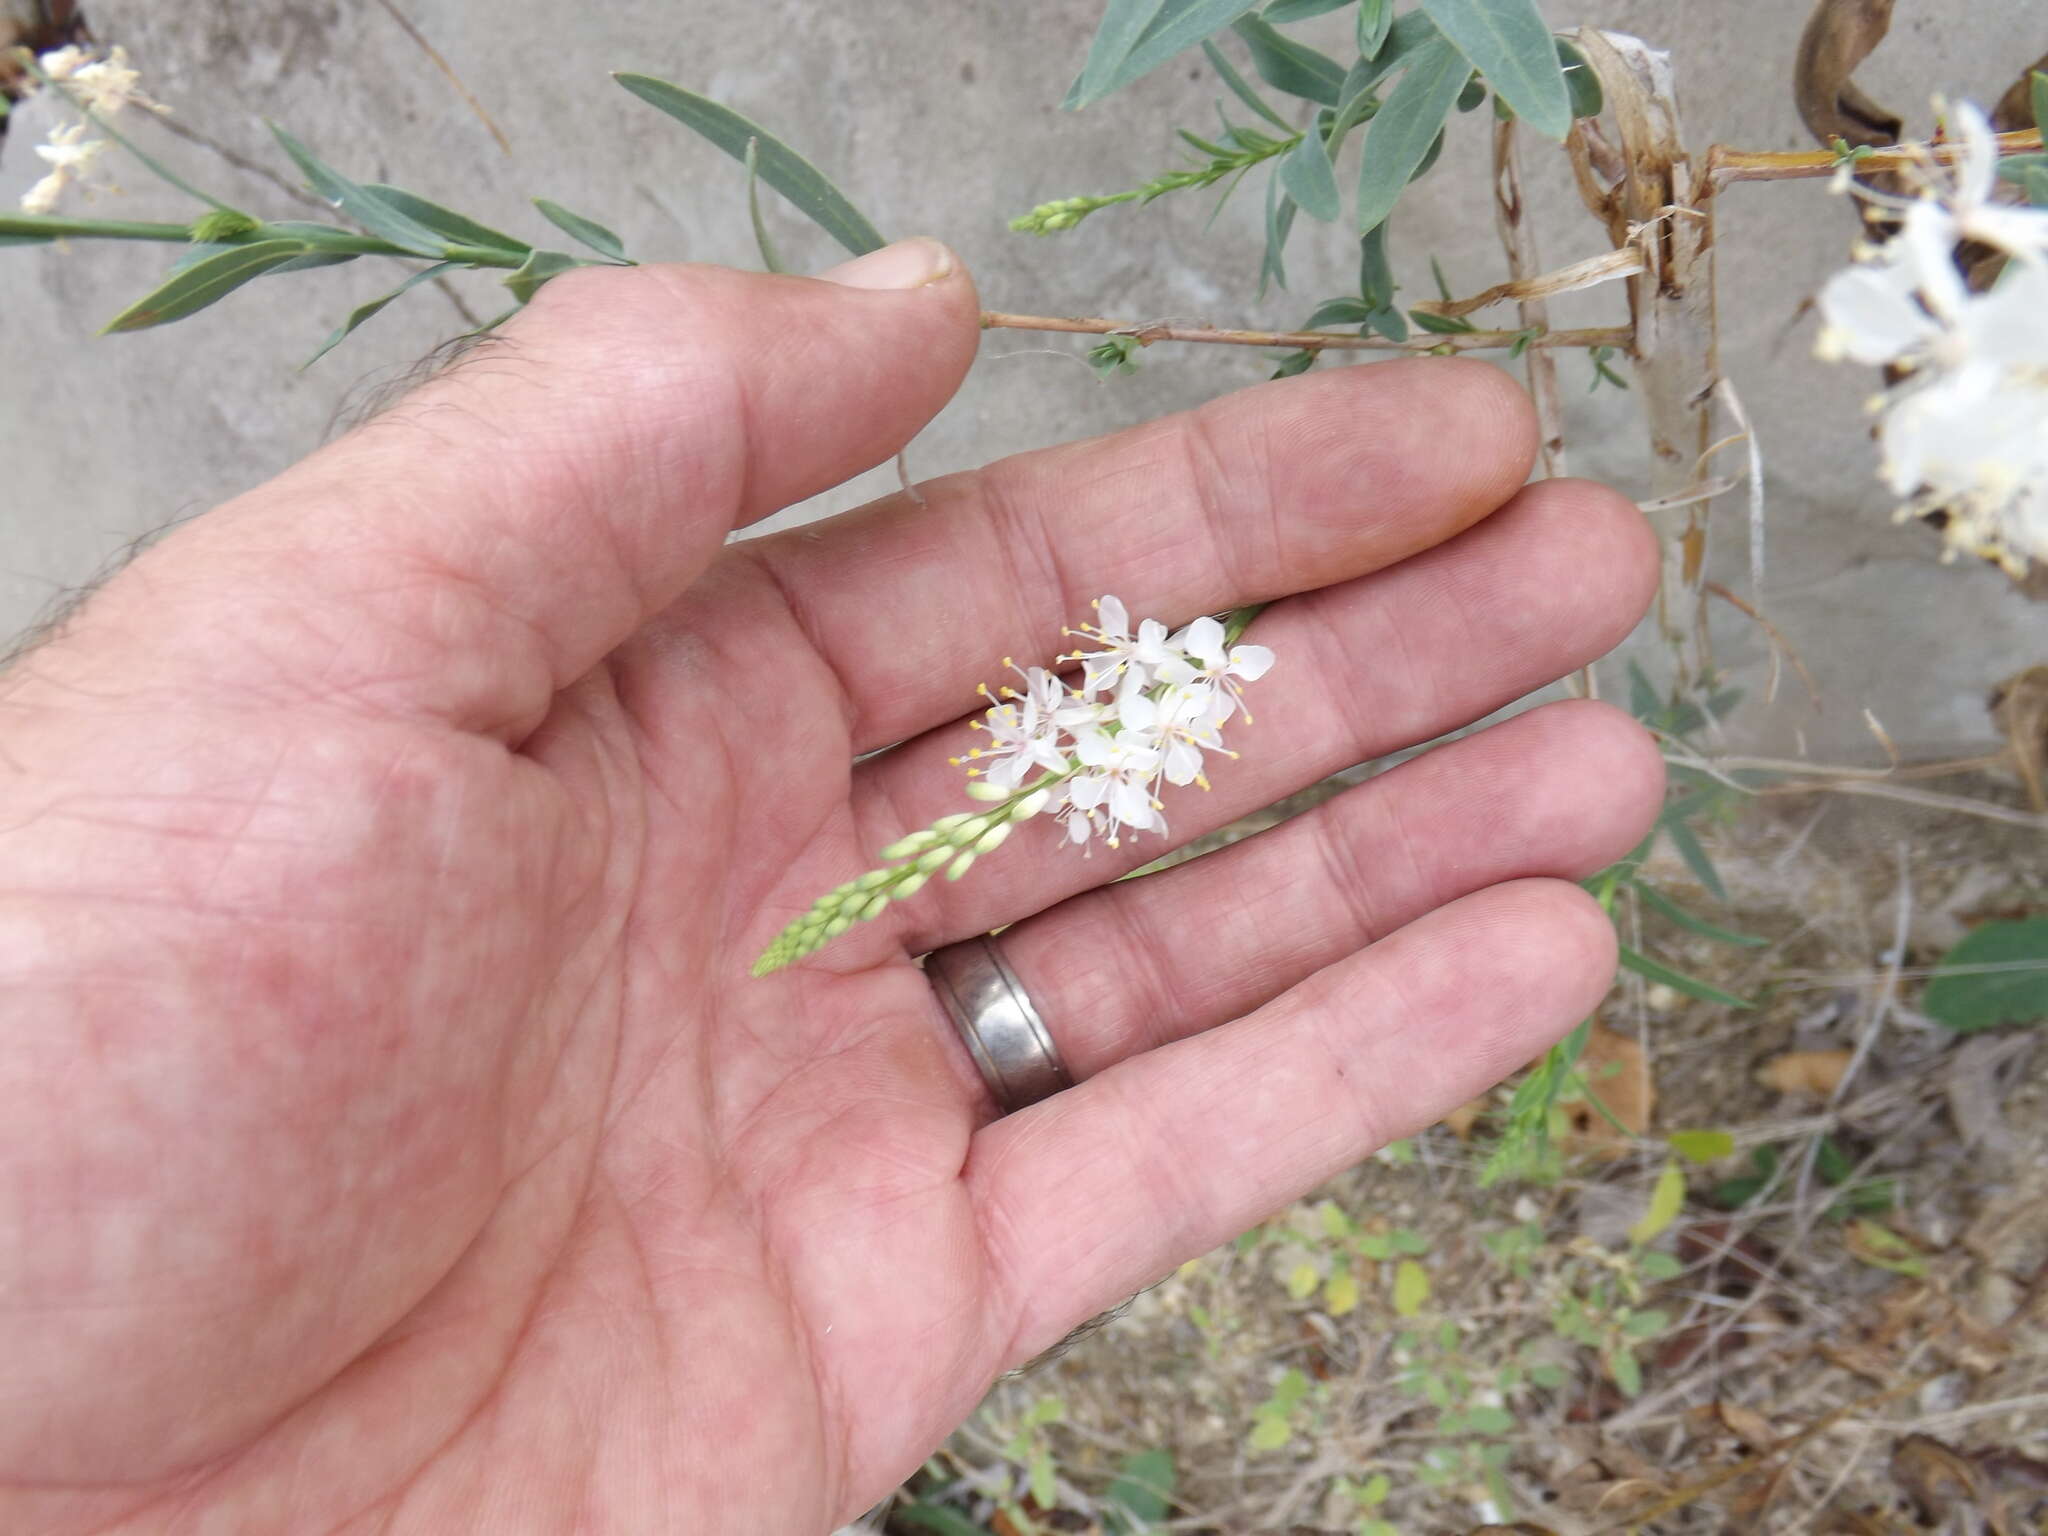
column 396, row 1139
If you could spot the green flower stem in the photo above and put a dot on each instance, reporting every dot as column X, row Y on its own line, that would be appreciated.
column 1238, row 620
column 52, row 226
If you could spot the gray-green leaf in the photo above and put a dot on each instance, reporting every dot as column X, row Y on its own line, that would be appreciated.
column 1510, row 44
column 190, row 289
column 780, row 166
column 1123, row 23
column 459, row 228
column 585, row 231
column 539, row 268
column 1311, row 178
column 1678, row 981
column 1401, row 134
column 1280, row 12
column 1375, row 20
column 1241, row 88
column 378, row 217
column 363, row 312
column 1175, row 25
column 1289, row 66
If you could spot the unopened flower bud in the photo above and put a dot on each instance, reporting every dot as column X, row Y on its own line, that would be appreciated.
column 837, row 926
column 872, row 878
column 993, row 838
column 933, row 860
column 1031, row 805
column 961, row 865
column 872, row 908
column 912, row 885
column 945, row 826
column 904, row 847
column 981, row 789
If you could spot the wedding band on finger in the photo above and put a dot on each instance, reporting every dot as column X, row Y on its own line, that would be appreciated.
column 997, row 1023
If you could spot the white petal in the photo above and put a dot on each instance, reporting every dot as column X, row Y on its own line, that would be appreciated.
column 1151, row 647
column 1132, row 806
column 1250, row 662
column 1088, row 791
column 1871, row 316
column 1183, row 762
column 1203, row 640
column 1137, row 713
column 1110, row 617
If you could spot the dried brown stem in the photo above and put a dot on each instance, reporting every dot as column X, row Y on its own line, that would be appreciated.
column 1725, row 165
column 1312, row 341
column 1518, row 240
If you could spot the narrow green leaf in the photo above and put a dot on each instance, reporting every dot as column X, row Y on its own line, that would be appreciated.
column 363, row 312
column 1279, row 224
column 1311, row 178
column 587, row 232
column 538, row 269
column 936, row 1518
column 375, row 215
column 1178, row 24
column 1510, row 44
column 1288, row 66
column 1375, row 19
column 1281, row 12
column 1345, row 311
column 459, row 228
column 780, row 166
column 1657, row 901
column 1375, row 270
column 1687, row 842
column 26, row 239
column 1123, row 24
column 1439, row 325
column 2037, row 88
column 1678, row 981
column 192, row 289
column 1667, row 1198
column 1390, row 323
column 1401, row 135
column 771, row 258
column 1241, row 88
column 1997, row 974
column 1297, row 362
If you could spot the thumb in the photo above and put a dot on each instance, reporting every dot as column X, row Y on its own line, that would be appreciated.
column 488, row 540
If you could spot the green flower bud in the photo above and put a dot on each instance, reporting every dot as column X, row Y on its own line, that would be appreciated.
column 946, row 826
column 1031, row 805
column 933, row 860
column 981, row 789
column 993, row 838
column 872, row 908
column 837, row 926
column 904, row 847
column 912, row 885
column 961, row 865
column 873, row 878
column 221, row 226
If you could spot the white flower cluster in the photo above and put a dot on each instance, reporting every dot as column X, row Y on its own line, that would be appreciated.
column 1965, row 429
column 101, row 86
column 1146, row 707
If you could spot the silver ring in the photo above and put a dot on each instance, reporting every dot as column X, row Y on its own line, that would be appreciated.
column 997, row 1023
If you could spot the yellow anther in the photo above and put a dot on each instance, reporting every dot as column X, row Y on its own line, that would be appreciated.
column 1008, row 662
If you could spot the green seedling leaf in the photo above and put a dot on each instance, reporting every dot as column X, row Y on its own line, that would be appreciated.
column 363, row 312
column 1168, row 28
column 1644, row 1325
column 1406, row 128
column 1666, row 1200
column 1659, row 1266
column 372, row 212
column 1411, row 1287
column 457, row 227
column 1044, row 1490
column 1142, row 1495
column 1878, row 1245
column 1626, row 1371
column 1374, row 1491
column 191, row 289
column 1310, row 178
column 1702, row 1146
column 1510, row 44
column 1997, row 975
column 1288, row 66
column 539, row 268
column 781, row 167
column 1241, row 88
column 1340, row 1293
column 1302, row 1280
column 584, row 231
column 1334, row 1222
column 1678, row 981
column 1488, row 1420
column 1269, row 1433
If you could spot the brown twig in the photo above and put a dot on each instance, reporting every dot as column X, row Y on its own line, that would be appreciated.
column 1725, row 165
column 1309, row 341
column 447, row 70
column 1779, row 644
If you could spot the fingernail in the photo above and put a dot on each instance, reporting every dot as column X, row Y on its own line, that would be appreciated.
column 906, row 264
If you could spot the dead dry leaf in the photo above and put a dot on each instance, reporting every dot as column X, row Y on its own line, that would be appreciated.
column 2020, row 706
column 1935, row 1478
column 1817, row 1073
column 1616, row 1071
column 2015, row 109
column 1840, row 35
column 1466, row 1115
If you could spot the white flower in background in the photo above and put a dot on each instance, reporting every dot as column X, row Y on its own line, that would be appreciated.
column 102, row 86
column 70, row 155
column 1964, row 430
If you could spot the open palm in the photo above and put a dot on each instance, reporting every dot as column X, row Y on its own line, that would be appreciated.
column 397, row 1140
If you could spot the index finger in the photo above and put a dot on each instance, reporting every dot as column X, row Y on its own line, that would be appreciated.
column 1276, row 489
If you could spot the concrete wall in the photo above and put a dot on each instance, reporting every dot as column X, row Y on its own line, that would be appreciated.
column 939, row 116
